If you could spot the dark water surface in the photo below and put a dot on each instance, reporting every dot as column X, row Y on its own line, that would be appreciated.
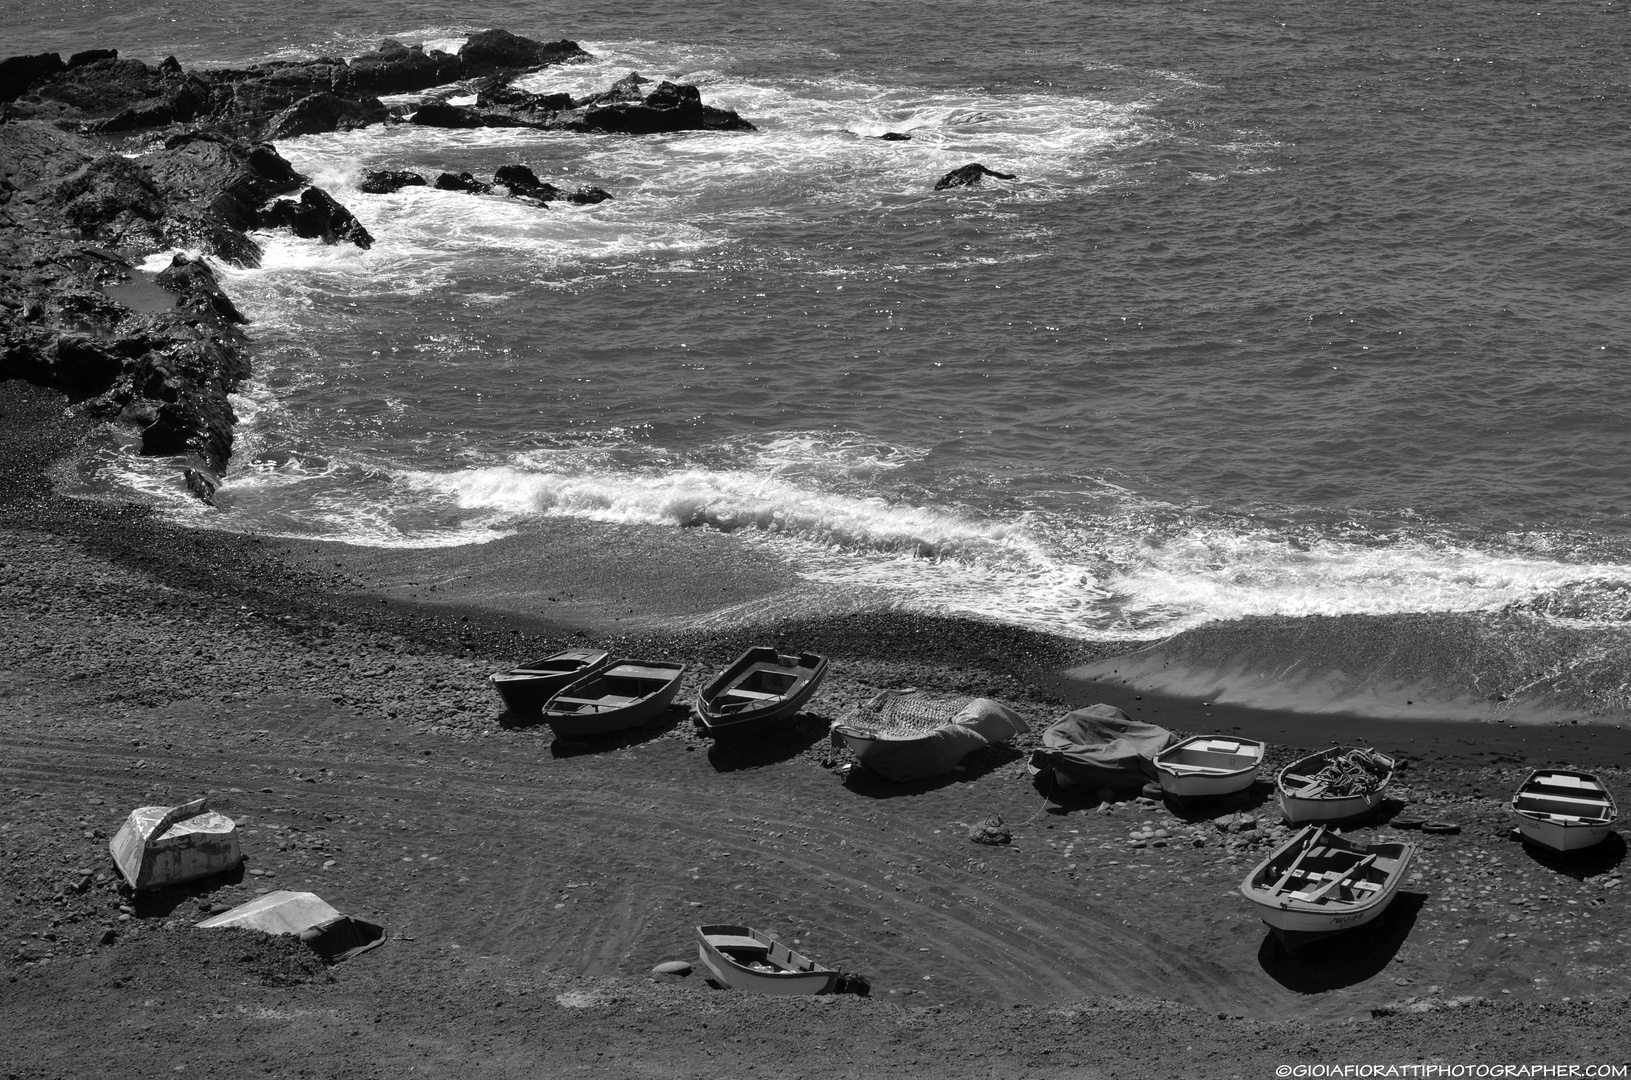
column 1292, row 309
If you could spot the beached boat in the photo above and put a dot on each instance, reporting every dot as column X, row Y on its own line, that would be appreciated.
column 526, row 688
column 332, row 936
column 743, row 958
column 1563, row 810
column 909, row 735
column 760, row 692
column 1318, row 884
column 624, row 695
column 1207, row 766
column 166, row 845
column 1334, row 786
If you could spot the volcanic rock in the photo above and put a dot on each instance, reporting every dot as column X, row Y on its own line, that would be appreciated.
column 385, row 181
column 318, row 215
column 968, row 176
column 492, row 51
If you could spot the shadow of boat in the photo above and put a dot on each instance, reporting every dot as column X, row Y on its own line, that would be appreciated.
column 577, row 746
column 771, row 748
column 978, row 763
column 1344, row 959
column 1579, row 864
column 164, row 901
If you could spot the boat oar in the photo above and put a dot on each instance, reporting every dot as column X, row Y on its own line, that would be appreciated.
column 1330, row 886
column 1319, row 834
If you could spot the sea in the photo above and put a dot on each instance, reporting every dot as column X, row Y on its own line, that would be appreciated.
column 1290, row 309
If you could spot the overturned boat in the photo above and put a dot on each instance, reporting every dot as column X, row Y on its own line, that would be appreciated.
column 1318, row 884
column 760, row 692
column 1564, row 810
column 525, row 689
column 166, row 845
column 909, row 735
column 1334, row 786
column 624, row 695
column 324, row 930
column 1208, row 766
column 743, row 958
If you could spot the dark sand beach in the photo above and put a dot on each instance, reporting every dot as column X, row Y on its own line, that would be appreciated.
column 332, row 700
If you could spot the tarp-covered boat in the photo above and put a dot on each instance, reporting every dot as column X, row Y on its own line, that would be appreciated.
column 760, row 692
column 332, row 936
column 526, row 688
column 1334, row 786
column 908, row 736
column 1318, row 884
column 1207, row 766
column 1100, row 747
column 625, row 695
column 166, row 845
column 1564, row 810
column 747, row 959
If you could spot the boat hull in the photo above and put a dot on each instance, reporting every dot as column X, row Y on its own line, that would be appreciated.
column 199, row 847
column 1564, row 811
column 1192, row 769
column 1561, row 837
column 526, row 689
column 713, row 950
column 1298, row 918
column 719, row 719
column 569, row 721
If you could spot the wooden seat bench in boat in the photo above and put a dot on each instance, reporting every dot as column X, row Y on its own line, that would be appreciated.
column 737, row 941
column 603, row 702
column 638, row 671
column 749, row 695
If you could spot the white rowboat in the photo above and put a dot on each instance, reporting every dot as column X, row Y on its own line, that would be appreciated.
column 1564, row 810
column 1207, row 766
column 1318, row 884
column 1307, row 795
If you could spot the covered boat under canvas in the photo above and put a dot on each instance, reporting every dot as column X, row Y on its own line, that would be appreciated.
column 166, row 845
column 331, row 935
column 743, row 958
column 760, row 692
column 1564, row 810
column 1318, row 884
column 528, row 687
column 910, row 735
column 1334, row 786
column 1207, row 766
column 1100, row 747
column 624, row 695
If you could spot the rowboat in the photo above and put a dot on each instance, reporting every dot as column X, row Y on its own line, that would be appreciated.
column 760, row 692
column 166, row 845
column 526, row 688
column 1563, row 810
column 623, row 695
column 743, row 958
column 1207, row 766
column 1334, row 786
column 1318, row 884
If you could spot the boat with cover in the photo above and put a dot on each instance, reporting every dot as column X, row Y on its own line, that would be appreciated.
column 743, row 958
column 623, row 695
column 1564, row 810
column 907, row 734
column 1207, row 766
column 166, row 845
column 526, row 688
column 1318, row 884
column 1334, row 786
column 761, row 691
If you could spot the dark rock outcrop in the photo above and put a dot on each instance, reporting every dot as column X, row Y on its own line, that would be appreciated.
column 492, row 51
column 441, row 114
column 895, row 136
column 523, row 182
column 670, row 107
column 385, row 181
column 968, row 176
column 395, row 68
column 322, row 112
column 462, row 182
column 18, row 74
column 317, row 215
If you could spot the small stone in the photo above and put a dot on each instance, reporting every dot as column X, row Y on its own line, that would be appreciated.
column 109, row 936
column 672, row 967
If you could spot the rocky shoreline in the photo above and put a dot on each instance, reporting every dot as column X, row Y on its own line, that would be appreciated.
column 105, row 162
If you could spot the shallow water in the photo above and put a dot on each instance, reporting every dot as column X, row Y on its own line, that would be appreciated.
column 1289, row 310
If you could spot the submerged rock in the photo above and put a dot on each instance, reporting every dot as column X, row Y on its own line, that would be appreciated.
column 968, row 176
column 385, row 181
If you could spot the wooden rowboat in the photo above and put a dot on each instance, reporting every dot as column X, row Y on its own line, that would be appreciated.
column 623, row 695
column 743, row 958
column 1207, row 766
column 166, row 845
column 760, row 692
column 1318, row 884
column 528, row 687
column 1334, row 786
column 1564, row 810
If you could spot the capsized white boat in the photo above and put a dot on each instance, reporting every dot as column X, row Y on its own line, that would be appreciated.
column 1564, row 810
column 1334, row 786
column 166, row 845
column 1207, row 766
column 1318, row 884
column 331, row 935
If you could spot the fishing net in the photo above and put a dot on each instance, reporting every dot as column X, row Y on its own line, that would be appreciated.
column 906, row 712
column 1353, row 772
